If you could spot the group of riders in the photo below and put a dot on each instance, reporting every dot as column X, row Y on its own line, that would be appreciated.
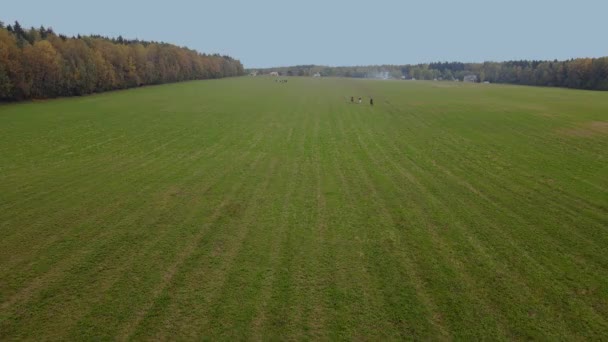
column 352, row 100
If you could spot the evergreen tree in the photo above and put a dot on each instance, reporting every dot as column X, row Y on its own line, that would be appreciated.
column 17, row 29
column 43, row 32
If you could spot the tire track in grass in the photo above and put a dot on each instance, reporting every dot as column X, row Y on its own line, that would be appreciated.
column 77, row 181
column 135, row 329
column 309, row 262
column 380, row 321
column 281, row 303
column 316, row 321
column 504, row 236
column 193, row 212
column 106, row 250
column 250, row 321
column 308, row 311
column 596, row 186
column 392, row 266
column 547, row 270
column 431, row 227
column 464, row 183
column 381, row 324
column 58, row 214
column 188, row 263
column 414, row 274
column 557, row 199
column 58, row 270
column 129, row 162
column 477, row 245
column 473, row 160
column 532, row 280
column 536, row 281
column 116, row 206
column 220, row 299
column 259, row 326
column 516, row 189
column 190, row 270
column 131, row 327
column 465, row 277
column 134, row 142
column 248, row 257
column 289, row 301
column 525, row 179
column 114, row 209
column 456, row 143
column 220, row 210
column 423, row 188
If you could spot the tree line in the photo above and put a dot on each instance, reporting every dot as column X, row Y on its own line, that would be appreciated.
column 38, row 63
column 580, row 73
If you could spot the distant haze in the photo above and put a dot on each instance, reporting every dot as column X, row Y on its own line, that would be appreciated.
column 281, row 33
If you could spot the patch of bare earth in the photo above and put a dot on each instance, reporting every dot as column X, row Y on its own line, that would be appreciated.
column 588, row 129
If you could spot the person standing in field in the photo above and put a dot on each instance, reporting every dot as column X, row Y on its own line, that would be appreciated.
column 352, row 99
column 359, row 100
column 371, row 101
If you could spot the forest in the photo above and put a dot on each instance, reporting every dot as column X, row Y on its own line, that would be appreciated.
column 37, row 63
column 580, row 73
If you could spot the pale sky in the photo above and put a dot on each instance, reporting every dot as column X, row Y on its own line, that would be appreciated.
column 269, row 33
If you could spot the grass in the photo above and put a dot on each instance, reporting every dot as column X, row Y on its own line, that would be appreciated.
column 244, row 208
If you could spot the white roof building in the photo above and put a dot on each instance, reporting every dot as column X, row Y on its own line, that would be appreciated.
column 470, row 78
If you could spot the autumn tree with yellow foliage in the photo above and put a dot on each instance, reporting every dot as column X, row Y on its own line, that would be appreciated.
column 38, row 63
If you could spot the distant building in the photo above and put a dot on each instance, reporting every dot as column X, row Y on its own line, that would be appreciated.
column 470, row 78
column 383, row 75
column 317, row 75
column 253, row 73
column 274, row 73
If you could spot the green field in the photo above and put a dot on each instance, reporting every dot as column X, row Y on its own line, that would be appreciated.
column 248, row 209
